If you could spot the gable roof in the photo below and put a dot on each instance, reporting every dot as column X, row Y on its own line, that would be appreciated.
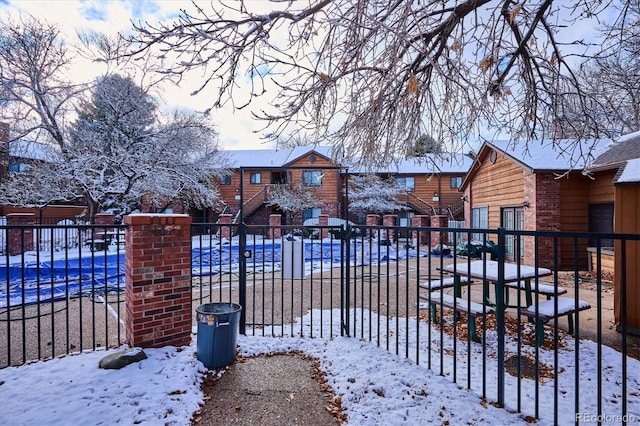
column 427, row 164
column 272, row 158
column 545, row 156
column 552, row 155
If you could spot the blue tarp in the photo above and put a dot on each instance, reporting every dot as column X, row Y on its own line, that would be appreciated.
column 103, row 273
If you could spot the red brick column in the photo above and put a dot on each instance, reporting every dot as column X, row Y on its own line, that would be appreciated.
column 542, row 193
column 419, row 221
column 225, row 231
column 439, row 221
column 275, row 221
column 20, row 240
column 103, row 219
column 158, row 280
column 323, row 220
column 389, row 220
column 372, row 220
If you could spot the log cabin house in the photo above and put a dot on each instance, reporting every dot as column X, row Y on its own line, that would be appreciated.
column 550, row 186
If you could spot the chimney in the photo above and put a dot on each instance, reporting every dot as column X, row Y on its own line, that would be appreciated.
column 4, row 150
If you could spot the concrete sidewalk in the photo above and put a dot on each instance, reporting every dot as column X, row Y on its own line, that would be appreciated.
column 268, row 390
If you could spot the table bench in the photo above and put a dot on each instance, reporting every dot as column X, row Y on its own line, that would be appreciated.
column 447, row 282
column 546, row 311
column 546, row 289
column 458, row 304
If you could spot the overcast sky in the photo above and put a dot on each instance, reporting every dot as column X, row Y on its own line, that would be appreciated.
column 110, row 16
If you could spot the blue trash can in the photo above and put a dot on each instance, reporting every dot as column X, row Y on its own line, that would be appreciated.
column 217, row 333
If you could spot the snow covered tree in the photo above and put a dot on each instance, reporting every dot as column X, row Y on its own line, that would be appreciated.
column 121, row 149
column 374, row 75
column 371, row 194
column 292, row 199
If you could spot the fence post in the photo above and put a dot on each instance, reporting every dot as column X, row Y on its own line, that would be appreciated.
column 389, row 220
column 500, row 324
column 21, row 239
column 158, row 280
column 225, row 229
column 323, row 220
column 439, row 221
column 372, row 220
column 275, row 222
column 242, row 276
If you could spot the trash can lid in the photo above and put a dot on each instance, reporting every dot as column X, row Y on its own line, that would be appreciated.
column 218, row 308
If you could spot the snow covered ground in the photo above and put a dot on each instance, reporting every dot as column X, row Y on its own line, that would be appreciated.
column 376, row 386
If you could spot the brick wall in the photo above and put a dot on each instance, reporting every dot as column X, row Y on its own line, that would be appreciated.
column 158, row 280
column 542, row 192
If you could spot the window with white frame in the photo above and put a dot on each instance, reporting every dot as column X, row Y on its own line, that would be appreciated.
column 255, row 177
column 406, row 183
column 456, row 182
column 311, row 213
column 479, row 220
column 312, row 177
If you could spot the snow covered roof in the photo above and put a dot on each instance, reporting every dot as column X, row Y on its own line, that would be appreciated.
column 630, row 173
column 553, row 155
column 621, row 150
column 428, row 164
column 272, row 158
column 31, row 150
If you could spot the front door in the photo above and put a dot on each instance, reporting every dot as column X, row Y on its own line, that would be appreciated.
column 513, row 220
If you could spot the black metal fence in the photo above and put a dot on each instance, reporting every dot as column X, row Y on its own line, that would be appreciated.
column 492, row 313
column 60, row 290
column 530, row 326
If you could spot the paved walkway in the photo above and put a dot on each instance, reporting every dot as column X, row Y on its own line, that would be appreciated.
column 273, row 390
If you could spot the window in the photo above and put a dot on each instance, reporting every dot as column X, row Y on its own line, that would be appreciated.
column 310, row 213
column 406, row 183
column 255, row 177
column 18, row 167
column 479, row 220
column 456, row 182
column 312, row 178
column 225, row 180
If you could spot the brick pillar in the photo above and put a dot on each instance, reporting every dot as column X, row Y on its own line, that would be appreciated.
column 4, row 150
column 158, row 280
column 419, row 221
column 225, row 231
column 323, row 220
column 20, row 240
column 439, row 221
column 372, row 220
column 389, row 220
column 275, row 222
column 542, row 192
column 103, row 219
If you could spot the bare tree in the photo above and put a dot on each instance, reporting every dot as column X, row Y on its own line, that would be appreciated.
column 373, row 75
column 613, row 76
column 36, row 97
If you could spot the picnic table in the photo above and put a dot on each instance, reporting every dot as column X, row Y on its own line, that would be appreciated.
column 520, row 277
column 515, row 276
